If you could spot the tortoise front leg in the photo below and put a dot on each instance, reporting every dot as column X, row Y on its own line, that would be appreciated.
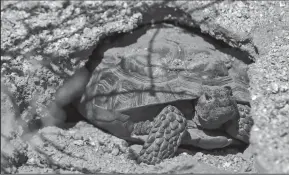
column 164, row 137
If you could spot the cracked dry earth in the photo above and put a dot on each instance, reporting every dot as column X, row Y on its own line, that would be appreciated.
column 42, row 43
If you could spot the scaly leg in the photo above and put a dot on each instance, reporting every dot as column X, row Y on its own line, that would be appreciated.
column 164, row 137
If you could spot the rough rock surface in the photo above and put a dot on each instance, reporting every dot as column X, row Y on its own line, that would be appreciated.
column 42, row 43
column 13, row 149
column 86, row 149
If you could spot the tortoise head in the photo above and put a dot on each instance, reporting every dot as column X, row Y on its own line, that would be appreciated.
column 215, row 107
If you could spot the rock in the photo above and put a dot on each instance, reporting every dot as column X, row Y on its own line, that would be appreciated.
column 13, row 154
column 9, row 110
column 13, row 148
column 78, row 142
column 275, row 88
column 136, row 148
column 115, row 151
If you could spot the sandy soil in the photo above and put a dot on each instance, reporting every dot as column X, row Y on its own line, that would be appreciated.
column 42, row 43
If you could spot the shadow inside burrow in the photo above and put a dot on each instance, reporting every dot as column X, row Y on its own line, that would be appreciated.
column 228, row 150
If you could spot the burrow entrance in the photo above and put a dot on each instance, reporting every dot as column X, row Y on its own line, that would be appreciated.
column 152, row 53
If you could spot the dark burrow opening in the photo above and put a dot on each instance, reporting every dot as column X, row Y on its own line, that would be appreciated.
column 126, row 40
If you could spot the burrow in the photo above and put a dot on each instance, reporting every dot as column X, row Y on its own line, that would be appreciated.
column 165, row 19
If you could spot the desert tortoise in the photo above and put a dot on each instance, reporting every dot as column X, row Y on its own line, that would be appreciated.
column 174, row 95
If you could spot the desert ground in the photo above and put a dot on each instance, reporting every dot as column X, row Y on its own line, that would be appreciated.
column 44, row 42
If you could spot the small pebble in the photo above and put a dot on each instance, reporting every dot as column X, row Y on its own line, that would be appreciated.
column 284, row 88
column 275, row 88
column 65, row 45
column 78, row 142
column 199, row 154
column 284, row 110
column 128, row 12
column 280, row 104
column 227, row 164
column 185, row 154
column 123, row 146
column 31, row 161
column 115, row 151
column 3, row 69
column 125, row 5
column 282, row 4
column 284, row 134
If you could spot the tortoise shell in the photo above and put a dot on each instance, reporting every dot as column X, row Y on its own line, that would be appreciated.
column 164, row 65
